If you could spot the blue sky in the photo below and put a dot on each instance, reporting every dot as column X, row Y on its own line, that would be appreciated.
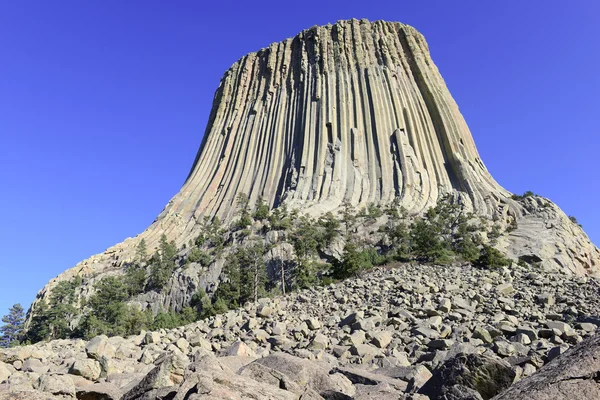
column 103, row 105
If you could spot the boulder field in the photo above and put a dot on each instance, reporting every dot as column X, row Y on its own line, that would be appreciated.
column 401, row 332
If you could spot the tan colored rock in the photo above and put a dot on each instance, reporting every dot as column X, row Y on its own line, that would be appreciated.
column 4, row 372
column 356, row 112
column 89, row 369
column 56, row 384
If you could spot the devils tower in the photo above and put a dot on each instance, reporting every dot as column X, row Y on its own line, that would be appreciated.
column 355, row 112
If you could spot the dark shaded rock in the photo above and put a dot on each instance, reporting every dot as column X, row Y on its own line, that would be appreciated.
column 488, row 376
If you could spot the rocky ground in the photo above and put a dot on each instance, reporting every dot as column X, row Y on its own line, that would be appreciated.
column 403, row 332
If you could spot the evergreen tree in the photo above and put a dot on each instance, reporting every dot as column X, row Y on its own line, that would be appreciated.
column 108, row 309
column 54, row 320
column 13, row 326
column 220, row 306
column 492, row 258
column 354, row 261
column 254, row 269
column 427, row 242
column 230, row 288
column 331, row 225
column 307, row 240
column 141, row 252
column 280, row 219
column 202, row 304
column 261, row 210
column 348, row 216
column 397, row 231
column 163, row 264
column 38, row 328
column 196, row 255
column 136, row 320
column 243, row 211
column 135, row 279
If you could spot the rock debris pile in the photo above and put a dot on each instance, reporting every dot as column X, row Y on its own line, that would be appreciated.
column 409, row 331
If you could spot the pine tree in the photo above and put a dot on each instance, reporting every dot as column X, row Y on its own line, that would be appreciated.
column 348, row 216
column 109, row 311
column 141, row 252
column 261, row 210
column 13, row 326
column 163, row 264
column 243, row 211
column 353, row 261
column 256, row 268
column 38, row 328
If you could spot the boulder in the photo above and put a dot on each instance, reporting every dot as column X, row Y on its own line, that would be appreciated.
column 488, row 376
column 56, row 384
column 99, row 347
column 571, row 375
column 212, row 380
column 34, row 365
column 89, row 369
column 308, row 374
column 4, row 372
column 98, row 391
column 168, row 372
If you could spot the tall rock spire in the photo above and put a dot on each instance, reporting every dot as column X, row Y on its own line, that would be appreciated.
column 351, row 112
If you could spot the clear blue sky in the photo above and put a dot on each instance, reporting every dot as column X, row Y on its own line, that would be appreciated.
column 103, row 105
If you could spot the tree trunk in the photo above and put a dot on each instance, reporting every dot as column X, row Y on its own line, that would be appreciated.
column 255, row 281
column 282, row 276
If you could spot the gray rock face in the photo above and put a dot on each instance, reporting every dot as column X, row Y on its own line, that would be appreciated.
column 355, row 111
column 572, row 376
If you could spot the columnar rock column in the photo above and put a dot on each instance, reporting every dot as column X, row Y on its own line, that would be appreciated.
column 352, row 112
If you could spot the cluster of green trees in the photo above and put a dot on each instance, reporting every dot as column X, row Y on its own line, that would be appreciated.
column 446, row 233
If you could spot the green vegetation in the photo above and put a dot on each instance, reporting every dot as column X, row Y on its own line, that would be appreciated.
column 162, row 264
column 528, row 193
column 446, row 233
column 574, row 220
column 492, row 258
column 13, row 326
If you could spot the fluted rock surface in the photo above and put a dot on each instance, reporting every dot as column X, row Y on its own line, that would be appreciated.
column 354, row 111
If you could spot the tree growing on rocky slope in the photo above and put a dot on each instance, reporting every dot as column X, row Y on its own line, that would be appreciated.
column 306, row 238
column 492, row 258
column 163, row 264
column 261, row 210
column 108, row 309
column 354, row 261
column 243, row 206
column 13, row 326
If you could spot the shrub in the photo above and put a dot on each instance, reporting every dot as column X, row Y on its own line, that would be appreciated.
column 492, row 258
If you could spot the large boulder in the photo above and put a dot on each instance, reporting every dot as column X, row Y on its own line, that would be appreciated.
column 209, row 379
column 572, row 375
column 308, row 374
column 4, row 372
column 167, row 373
column 89, row 369
column 99, row 347
column 488, row 376
column 55, row 384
